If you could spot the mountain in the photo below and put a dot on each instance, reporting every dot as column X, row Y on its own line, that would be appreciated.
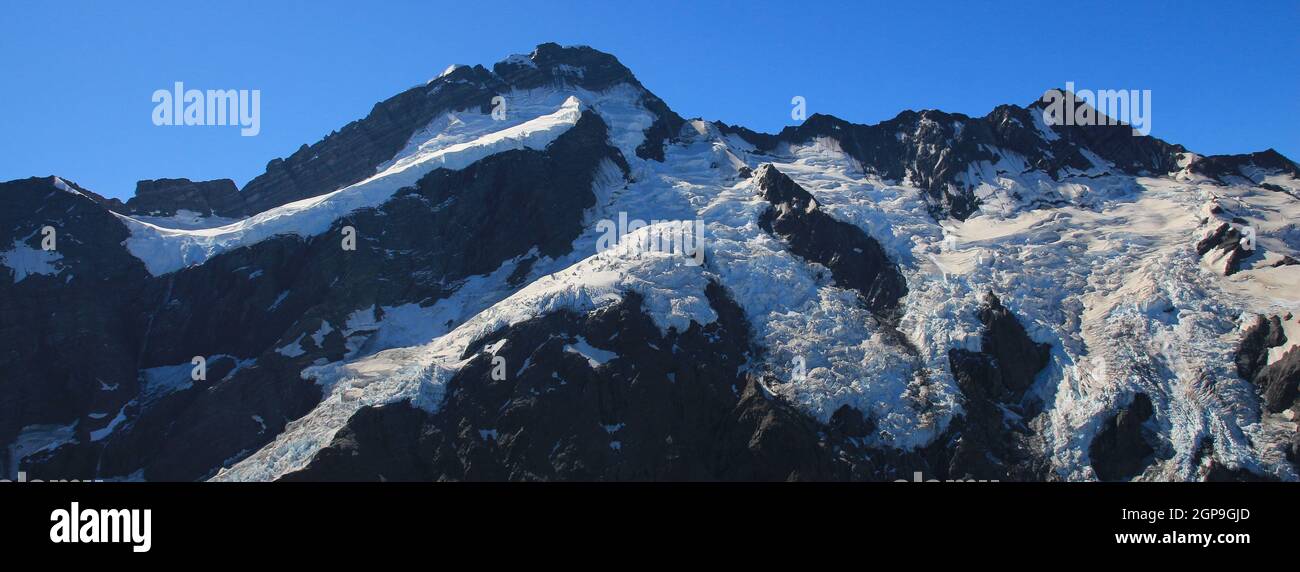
column 539, row 271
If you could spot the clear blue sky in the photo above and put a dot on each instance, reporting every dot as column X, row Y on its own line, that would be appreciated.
column 76, row 78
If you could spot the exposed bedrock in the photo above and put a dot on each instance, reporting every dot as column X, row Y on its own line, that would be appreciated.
column 1122, row 448
column 1278, row 382
column 606, row 396
column 1228, row 240
column 855, row 259
column 994, row 438
column 282, row 302
column 166, row 197
column 602, row 396
column 935, row 151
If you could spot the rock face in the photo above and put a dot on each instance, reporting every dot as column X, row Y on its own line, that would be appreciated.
column 993, row 440
column 69, row 334
column 94, row 374
column 935, row 150
column 604, row 396
column 576, row 65
column 1225, row 167
column 164, row 197
column 354, row 152
column 1121, row 450
column 242, row 307
column 1019, row 359
column 539, row 196
column 856, row 260
column 1252, row 354
column 1279, row 381
column 1293, row 452
column 1227, row 239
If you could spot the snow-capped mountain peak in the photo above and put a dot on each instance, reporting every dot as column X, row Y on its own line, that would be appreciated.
column 540, row 271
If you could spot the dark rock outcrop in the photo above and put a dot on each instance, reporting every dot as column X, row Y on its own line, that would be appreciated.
column 1224, row 168
column 1285, row 261
column 1228, row 239
column 164, row 197
column 1293, row 452
column 552, row 64
column 934, row 150
column 1018, row 357
column 540, row 196
column 1278, row 382
column 1121, row 449
column 1259, row 337
column 69, row 348
column 855, row 259
column 993, row 438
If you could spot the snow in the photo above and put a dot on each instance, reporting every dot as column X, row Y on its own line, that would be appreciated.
column 1111, row 281
column 278, row 299
column 1119, row 293
column 674, row 294
column 26, row 261
column 319, row 336
column 161, row 381
column 34, row 439
column 158, row 382
column 446, row 72
column 105, row 431
column 568, row 70
column 404, row 325
column 293, row 349
column 521, row 60
column 594, row 356
column 62, row 185
column 186, row 220
column 165, row 250
column 1045, row 130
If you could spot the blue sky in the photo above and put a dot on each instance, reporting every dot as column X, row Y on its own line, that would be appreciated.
column 76, row 78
